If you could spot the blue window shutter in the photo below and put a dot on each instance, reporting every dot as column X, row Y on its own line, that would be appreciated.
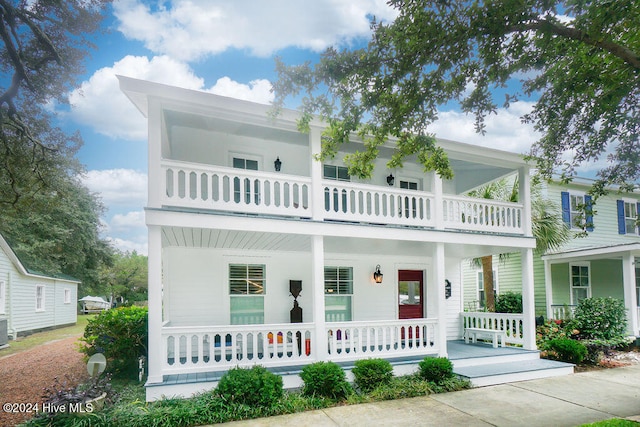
column 638, row 213
column 589, row 212
column 621, row 224
column 566, row 208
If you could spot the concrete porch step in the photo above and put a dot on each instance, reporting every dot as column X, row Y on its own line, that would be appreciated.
column 500, row 373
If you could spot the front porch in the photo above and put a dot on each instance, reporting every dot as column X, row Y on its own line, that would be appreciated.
column 480, row 363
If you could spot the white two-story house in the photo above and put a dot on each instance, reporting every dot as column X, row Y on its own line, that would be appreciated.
column 241, row 217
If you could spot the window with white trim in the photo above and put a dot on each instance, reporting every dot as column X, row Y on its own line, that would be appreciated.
column 482, row 301
column 338, row 197
column 630, row 216
column 67, row 296
column 40, row 297
column 247, row 289
column 576, row 203
column 638, row 285
column 338, row 290
column 580, row 280
column 337, row 173
column 410, row 203
column 246, row 189
column 3, row 299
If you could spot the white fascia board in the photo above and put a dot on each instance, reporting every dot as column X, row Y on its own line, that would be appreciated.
column 163, row 217
column 592, row 253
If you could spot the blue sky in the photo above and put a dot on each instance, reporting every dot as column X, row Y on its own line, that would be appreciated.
column 224, row 47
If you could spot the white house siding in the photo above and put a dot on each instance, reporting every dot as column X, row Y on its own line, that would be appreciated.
column 20, row 296
column 196, row 285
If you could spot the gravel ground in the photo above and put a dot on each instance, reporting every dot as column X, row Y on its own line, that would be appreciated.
column 23, row 375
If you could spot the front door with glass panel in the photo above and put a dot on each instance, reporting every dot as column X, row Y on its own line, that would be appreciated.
column 410, row 294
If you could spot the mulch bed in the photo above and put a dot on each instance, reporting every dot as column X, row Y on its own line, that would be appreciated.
column 24, row 375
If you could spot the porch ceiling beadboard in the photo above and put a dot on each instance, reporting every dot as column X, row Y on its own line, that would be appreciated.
column 229, row 239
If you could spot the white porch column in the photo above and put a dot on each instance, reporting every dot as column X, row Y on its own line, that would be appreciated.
column 154, row 295
column 528, row 301
column 630, row 302
column 524, row 197
column 317, row 274
column 548, row 288
column 317, row 193
column 438, row 208
column 154, row 174
column 441, row 301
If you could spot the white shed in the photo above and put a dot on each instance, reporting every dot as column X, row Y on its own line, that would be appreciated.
column 31, row 301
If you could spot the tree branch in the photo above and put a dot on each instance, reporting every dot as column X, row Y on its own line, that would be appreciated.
column 618, row 50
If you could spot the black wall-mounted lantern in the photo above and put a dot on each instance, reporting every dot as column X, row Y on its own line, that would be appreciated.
column 277, row 164
column 447, row 289
column 295, row 287
column 377, row 276
column 390, row 179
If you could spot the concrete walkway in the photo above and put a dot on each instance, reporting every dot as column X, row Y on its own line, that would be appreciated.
column 569, row 400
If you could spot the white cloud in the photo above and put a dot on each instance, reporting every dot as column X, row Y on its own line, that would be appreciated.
column 193, row 29
column 128, row 221
column 124, row 245
column 99, row 103
column 123, row 187
column 504, row 131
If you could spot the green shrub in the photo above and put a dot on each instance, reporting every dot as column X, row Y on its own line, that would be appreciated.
column 436, row 369
column 509, row 302
column 568, row 350
column 600, row 318
column 550, row 330
column 325, row 379
column 596, row 349
column 254, row 387
column 121, row 334
column 371, row 373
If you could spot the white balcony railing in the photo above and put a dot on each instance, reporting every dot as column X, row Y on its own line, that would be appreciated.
column 562, row 311
column 257, row 192
column 191, row 349
column 393, row 338
column 511, row 324
column 210, row 348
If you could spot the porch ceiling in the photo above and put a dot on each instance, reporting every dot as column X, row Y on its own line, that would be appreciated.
column 279, row 241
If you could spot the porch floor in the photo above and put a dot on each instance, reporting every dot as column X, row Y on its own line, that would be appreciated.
column 461, row 355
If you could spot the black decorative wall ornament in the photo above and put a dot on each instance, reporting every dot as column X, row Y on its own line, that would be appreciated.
column 447, row 289
column 295, row 287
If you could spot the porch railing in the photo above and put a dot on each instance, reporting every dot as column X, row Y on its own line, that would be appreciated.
column 210, row 348
column 562, row 311
column 394, row 338
column 191, row 349
column 238, row 190
column 369, row 203
column 511, row 324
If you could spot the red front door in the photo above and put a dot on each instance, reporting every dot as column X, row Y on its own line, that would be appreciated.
column 410, row 294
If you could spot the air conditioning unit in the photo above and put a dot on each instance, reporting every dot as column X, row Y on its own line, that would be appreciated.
column 4, row 337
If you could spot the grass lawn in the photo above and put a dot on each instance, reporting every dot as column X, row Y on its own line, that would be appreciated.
column 33, row 340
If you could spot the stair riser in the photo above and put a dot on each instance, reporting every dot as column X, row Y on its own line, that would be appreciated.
column 478, row 361
column 520, row 376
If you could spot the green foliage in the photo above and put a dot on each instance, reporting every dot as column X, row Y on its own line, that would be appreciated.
column 567, row 350
column 254, row 387
column 325, row 379
column 436, row 369
column 551, row 330
column 121, row 334
column 613, row 422
column 509, row 302
column 597, row 348
column 127, row 277
column 600, row 318
column 583, row 72
column 371, row 373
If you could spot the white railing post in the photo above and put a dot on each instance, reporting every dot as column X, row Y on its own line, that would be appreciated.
column 155, row 344
column 528, row 301
column 441, row 305
column 437, row 210
column 319, row 342
column 630, row 301
column 317, row 191
column 524, row 198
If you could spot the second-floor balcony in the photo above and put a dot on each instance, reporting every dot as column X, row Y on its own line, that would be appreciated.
column 219, row 188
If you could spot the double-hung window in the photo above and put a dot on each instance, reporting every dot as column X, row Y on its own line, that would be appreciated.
column 638, row 285
column 580, row 280
column 247, row 289
column 630, row 217
column 245, row 190
column 67, row 296
column 335, row 200
column 39, row 297
column 577, row 204
column 410, row 203
column 338, row 290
